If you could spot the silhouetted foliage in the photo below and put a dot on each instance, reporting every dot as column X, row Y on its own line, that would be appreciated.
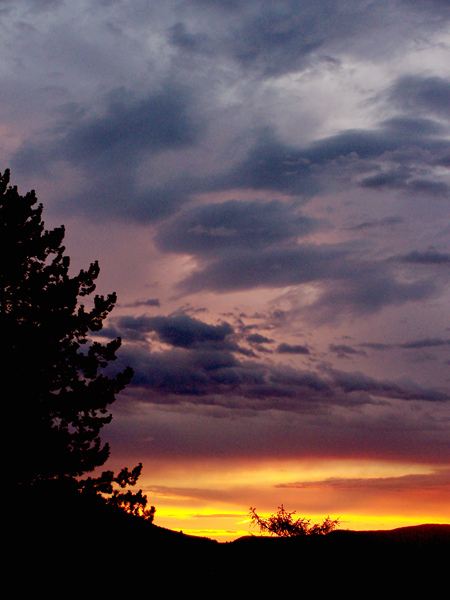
column 134, row 503
column 282, row 524
column 52, row 383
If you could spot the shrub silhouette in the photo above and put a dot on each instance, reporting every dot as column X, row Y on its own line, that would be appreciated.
column 282, row 524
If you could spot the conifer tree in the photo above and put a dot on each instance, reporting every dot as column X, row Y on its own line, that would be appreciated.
column 55, row 393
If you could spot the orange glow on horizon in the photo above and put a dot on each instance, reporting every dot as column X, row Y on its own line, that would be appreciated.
column 347, row 521
column 213, row 499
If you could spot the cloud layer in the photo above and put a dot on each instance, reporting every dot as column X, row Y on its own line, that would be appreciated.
column 267, row 188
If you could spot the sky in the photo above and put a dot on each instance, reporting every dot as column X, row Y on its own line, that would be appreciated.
column 266, row 188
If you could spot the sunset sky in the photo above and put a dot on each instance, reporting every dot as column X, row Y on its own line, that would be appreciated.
column 266, row 186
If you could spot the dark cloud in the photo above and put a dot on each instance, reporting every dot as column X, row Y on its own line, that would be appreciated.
column 202, row 363
column 347, row 283
column 372, row 291
column 39, row 5
column 415, row 344
column 139, row 303
column 276, row 42
column 343, row 351
column 269, row 40
column 430, row 95
column 427, row 257
column 256, row 338
column 402, row 179
column 349, row 382
column 130, row 203
column 188, row 42
column 428, row 343
column 206, row 371
column 377, row 346
column 213, row 375
column 271, row 165
column 373, row 143
column 288, row 349
column 381, row 180
column 107, row 148
column 226, row 5
column 273, row 267
column 275, row 166
column 414, row 127
column 386, row 222
column 440, row 6
column 233, row 225
column 272, row 40
column 392, row 152
column 178, row 330
column 429, row 188
column 127, row 127
column 443, row 160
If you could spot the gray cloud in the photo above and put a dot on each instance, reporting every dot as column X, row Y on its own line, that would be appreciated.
column 256, row 338
column 127, row 127
column 404, row 391
column 272, row 40
column 178, row 330
column 202, row 363
column 428, row 343
column 422, row 94
column 288, row 349
column 343, row 351
column 233, row 224
column 389, row 155
column 179, row 36
column 36, row 5
column 272, row 267
column 427, row 257
column 215, row 376
column 386, row 222
column 139, row 303
column 367, row 294
column 108, row 148
column 348, row 284
column 413, row 345
column 377, row 346
column 408, row 127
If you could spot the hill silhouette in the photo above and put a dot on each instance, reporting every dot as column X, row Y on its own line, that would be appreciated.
column 73, row 540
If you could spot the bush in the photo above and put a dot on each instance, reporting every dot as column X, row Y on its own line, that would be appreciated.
column 282, row 524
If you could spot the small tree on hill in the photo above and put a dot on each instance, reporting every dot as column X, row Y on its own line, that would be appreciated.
column 282, row 524
column 51, row 371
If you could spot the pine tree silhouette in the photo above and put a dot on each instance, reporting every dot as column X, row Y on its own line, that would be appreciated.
column 55, row 394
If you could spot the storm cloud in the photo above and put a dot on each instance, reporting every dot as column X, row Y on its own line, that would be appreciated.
column 266, row 187
column 234, row 225
column 178, row 330
column 202, row 364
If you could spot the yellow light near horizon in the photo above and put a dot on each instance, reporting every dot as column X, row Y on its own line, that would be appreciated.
column 212, row 498
column 347, row 521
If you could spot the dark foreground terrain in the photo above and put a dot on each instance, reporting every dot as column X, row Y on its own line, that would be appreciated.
column 93, row 549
